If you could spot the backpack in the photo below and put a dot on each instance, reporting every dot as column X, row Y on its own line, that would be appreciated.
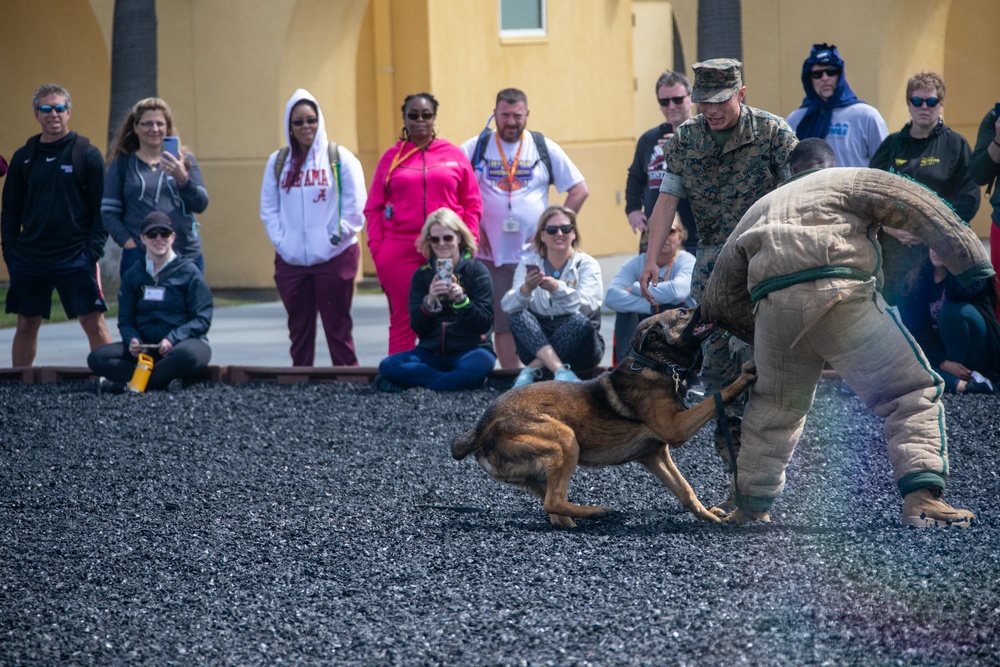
column 543, row 151
column 78, row 158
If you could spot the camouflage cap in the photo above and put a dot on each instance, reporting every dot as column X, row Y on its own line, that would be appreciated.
column 716, row 80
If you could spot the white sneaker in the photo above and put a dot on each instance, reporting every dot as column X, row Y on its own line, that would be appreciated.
column 527, row 376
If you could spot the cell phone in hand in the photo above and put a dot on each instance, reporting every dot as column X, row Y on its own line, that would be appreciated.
column 444, row 268
column 528, row 268
column 666, row 128
column 172, row 145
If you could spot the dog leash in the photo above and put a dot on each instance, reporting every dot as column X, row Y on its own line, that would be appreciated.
column 724, row 425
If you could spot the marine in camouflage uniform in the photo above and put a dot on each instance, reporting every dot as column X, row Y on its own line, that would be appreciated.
column 721, row 182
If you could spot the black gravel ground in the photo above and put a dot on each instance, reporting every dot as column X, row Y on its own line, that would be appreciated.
column 328, row 524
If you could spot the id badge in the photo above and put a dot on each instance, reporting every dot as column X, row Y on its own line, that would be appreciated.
column 388, row 211
column 512, row 225
column 153, row 293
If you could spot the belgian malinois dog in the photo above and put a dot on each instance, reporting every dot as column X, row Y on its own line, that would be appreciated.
column 535, row 436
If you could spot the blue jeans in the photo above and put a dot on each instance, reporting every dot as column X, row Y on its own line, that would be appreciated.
column 421, row 368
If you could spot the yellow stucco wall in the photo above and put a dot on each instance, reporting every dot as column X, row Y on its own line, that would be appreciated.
column 227, row 71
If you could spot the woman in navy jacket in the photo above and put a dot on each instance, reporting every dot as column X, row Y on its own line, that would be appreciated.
column 452, row 314
column 163, row 301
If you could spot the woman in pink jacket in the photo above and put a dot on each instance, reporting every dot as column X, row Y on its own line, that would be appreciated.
column 414, row 178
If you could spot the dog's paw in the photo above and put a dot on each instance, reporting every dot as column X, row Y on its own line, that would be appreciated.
column 562, row 521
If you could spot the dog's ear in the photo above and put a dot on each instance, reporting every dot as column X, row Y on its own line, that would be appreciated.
column 645, row 335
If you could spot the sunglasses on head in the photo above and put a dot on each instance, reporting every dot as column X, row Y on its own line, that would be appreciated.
column 299, row 122
column 818, row 74
column 665, row 101
column 162, row 232
column 931, row 101
column 49, row 108
column 419, row 115
column 552, row 230
column 446, row 238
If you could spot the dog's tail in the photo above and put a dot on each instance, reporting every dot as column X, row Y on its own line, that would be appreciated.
column 464, row 445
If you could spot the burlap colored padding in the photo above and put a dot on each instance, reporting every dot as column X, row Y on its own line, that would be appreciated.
column 825, row 224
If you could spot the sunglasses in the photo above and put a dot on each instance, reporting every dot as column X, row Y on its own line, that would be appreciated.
column 162, row 232
column 299, row 122
column 665, row 101
column 447, row 238
column 818, row 74
column 552, row 230
column 58, row 108
column 931, row 101
column 422, row 115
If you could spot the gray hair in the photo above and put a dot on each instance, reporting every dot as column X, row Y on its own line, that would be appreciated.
column 47, row 89
column 669, row 78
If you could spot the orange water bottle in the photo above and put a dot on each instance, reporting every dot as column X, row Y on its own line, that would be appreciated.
column 140, row 378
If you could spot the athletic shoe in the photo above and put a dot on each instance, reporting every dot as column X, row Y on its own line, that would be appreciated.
column 106, row 386
column 527, row 376
column 564, row 374
column 176, row 385
column 924, row 508
column 977, row 384
column 389, row 387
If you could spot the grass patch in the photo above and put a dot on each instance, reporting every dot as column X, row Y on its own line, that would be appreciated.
column 8, row 320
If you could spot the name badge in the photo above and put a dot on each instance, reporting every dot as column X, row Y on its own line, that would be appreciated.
column 511, row 225
column 153, row 293
column 388, row 211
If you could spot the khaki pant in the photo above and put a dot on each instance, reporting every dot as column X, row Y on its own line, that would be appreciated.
column 845, row 323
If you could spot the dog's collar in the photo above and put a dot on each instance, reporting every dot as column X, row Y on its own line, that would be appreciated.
column 665, row 367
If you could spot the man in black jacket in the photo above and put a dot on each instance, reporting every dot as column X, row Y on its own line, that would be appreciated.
column 51, row 229
column 673, row 93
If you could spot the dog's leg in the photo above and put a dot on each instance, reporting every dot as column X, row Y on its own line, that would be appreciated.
column 679, row 427
column 662, row 466
column 560, row 464
column 537, row 488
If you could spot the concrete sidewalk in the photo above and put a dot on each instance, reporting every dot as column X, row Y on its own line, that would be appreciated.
column 256, row 334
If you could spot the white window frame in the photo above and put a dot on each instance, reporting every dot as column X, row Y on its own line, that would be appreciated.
column 523, row 32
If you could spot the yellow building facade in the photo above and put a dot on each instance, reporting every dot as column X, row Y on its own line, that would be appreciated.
column 227, row 69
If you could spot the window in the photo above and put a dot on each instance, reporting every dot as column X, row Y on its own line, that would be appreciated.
column 522, row 18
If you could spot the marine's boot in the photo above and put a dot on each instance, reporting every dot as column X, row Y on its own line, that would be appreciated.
column 924, row 508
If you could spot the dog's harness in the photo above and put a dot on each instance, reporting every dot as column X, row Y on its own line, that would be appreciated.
column 669, row 368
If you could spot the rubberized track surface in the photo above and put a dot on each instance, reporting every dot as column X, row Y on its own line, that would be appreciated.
column 328, row 524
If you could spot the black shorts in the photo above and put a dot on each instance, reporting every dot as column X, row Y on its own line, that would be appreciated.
column 77, row 281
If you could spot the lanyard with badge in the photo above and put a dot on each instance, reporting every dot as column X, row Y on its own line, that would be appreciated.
column 510, row 223
column 397, row 160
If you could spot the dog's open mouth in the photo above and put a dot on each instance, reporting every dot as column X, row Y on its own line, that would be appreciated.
column 705, row 328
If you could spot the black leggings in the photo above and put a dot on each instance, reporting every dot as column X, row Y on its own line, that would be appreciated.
column 188, row 359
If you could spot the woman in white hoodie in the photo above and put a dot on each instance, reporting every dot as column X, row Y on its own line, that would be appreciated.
column 312, row 203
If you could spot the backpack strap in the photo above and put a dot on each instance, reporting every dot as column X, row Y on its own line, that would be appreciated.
column 543, row 154
column 487, row 134
column 78, row 158
column 279, row 163
column 334, row 150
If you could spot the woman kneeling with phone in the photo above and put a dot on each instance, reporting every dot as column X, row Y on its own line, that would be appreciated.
column 164, row 310
column 451, row 311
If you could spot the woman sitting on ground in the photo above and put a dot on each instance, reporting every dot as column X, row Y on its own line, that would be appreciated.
column 451, row 311
column 956, row 327
column 164, row 310
column 555, row 302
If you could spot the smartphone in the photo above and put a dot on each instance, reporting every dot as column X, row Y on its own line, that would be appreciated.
column 444, row 268
column 666, row 128
column 172, row 145
column 528, row 268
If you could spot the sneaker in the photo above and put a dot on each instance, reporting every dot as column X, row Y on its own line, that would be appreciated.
column 527, row 376
column 106, row 386
column 389, row 387
column 977, row 384
column 924, row 508
column 564, row 374
column 175, row 386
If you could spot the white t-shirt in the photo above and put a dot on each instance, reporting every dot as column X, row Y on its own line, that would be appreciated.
column 855, row 133
column 510, row 215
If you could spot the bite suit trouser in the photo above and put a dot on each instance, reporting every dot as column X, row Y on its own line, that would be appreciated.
column 845, row 323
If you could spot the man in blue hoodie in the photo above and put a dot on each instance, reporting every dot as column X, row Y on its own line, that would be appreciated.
column 832, row 111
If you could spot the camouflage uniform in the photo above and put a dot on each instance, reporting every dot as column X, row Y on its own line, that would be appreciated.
column 721, row 185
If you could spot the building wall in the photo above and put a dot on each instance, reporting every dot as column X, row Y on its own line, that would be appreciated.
column 227, row 70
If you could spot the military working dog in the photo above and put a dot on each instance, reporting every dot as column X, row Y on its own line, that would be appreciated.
column 535, row 436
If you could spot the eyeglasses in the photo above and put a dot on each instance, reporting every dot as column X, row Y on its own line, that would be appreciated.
column 552, row 230
column 49, row 108
column 832, row 73
column 919, row 101
column 299, row 122
column 149, row 124
column 162, row 232
column 447, row 238
column 422, row 115
column 665, row 101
